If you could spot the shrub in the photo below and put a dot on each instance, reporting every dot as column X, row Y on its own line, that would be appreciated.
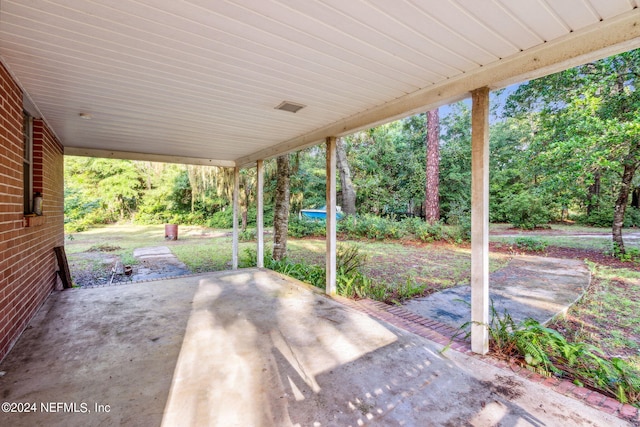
column 247, row 235
column 430, row 232
column 301, row 227
column 460, row 218
column 370, row 227
column 598, row 218
column 349, row 259
column 530, row 244
column 629, row 255
column 632, row 217
column 547, row 352
column 526, row 211
column 221, row 219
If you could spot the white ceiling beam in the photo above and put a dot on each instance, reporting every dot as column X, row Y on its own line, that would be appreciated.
column 607, row 38
column 129, row 155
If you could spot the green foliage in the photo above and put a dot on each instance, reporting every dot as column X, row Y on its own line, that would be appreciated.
column 378, row 228
column 530, row 244
column 301, row 227
column 388, row 167
column 455, row 163
column 99, row 191
column 586, row 129
column 602, row 217
column 629, row 255
column 546, row 351
column 350, row 281
column 370, row 227
column 430, row 232
column 247, row 235
column 349, row 259
column 407, row 290
column 527, row 211
column 632, row 217
column 221, row 219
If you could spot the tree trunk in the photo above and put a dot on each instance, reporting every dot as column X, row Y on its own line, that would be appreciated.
column 281, row 214
column 635, row 198
column 593, row 199
column 432, row 193
column 245, row 206
column 621, row 204
column 348, row 190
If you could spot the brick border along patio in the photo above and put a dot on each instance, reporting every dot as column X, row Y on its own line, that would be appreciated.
column 443, row 334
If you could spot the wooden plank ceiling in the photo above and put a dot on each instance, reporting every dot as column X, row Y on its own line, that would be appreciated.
column 198, row 80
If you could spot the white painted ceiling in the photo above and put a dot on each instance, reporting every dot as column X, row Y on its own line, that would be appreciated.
column 198, row 80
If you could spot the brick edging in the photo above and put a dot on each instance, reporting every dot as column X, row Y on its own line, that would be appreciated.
column 442, row 334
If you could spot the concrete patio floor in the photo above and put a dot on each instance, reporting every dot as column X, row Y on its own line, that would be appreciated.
column 251, row 348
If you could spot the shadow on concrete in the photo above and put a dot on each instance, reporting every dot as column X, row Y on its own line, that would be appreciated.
column 251, row 348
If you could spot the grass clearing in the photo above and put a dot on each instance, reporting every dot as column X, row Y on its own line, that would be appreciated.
column 608, row 315
column 436, row 265
column 92, row 253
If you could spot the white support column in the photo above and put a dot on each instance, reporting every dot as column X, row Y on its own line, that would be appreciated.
column 331, row 216
column 480, row 220
column 236, row 198
column 260, row 213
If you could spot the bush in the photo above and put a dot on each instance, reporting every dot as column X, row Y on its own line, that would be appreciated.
column 629, row 255
column 430, row 232
column 547, row 352
column 527, row 211
column 530, row 244
column 370, row 227
column 301, row 227
column 221, row 219
column 247, row 235
column 598, row 218
column 632, row 217
column 377, row 228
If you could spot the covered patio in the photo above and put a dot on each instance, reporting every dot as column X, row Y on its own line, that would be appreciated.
column 231, row 84
column 253, row 348
column 234, row 83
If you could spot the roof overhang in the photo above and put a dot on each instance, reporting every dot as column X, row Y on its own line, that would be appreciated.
column 198, row 82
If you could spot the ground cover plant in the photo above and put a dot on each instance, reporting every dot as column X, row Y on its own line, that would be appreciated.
column 546, row 351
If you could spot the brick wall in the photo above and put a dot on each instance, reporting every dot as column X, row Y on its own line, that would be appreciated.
column 27, row 260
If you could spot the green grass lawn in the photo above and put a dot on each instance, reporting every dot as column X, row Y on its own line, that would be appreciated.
column 437, row 265
column 201, row 249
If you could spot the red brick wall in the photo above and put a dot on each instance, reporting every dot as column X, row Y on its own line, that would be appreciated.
column 27, row 260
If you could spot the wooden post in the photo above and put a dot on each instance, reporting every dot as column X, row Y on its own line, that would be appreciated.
column 331, row 216
column 260, row 214
column 480, row 220
column 236, row 197
column 63, row 265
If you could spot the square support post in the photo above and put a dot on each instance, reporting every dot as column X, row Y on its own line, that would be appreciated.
column 480, row 220
column 260, row 213
column 236, row 199
column 331, row 216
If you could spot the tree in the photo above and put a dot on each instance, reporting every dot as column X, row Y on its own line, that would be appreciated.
column 588, row 128
column 455, row 164
column 112, row 186
column 281, row 213
column 432, row 193
column 348, row 190
column 388, row 168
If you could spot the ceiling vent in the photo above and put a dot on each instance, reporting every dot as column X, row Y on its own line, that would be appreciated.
column 292, row 107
